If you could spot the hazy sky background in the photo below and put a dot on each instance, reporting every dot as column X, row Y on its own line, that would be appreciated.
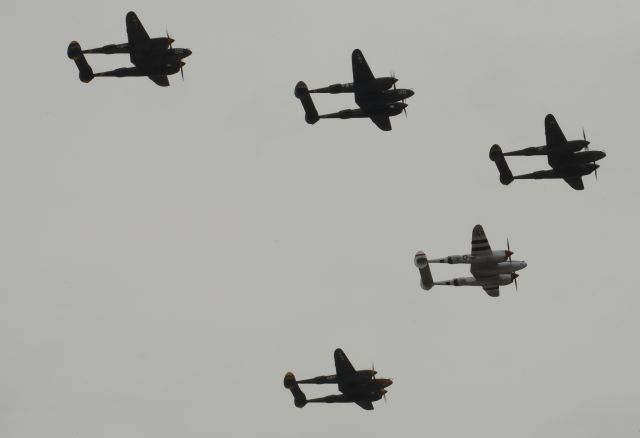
column 168, row 254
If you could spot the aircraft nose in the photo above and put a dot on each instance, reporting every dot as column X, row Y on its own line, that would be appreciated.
column 524, row 265
column 187, row 52
column 410, row 93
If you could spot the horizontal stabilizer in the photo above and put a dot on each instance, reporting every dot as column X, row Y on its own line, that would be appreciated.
column 426, row 279
column 506, row 177
column 310, row 112
column 74, row 52
column 299, row 399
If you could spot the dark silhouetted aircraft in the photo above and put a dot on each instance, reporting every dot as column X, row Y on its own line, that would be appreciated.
column 359, row 387
column 153, row 57
column 564, row 157
column 374, row 96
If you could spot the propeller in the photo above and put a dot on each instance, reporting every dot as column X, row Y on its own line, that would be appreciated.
column 514, row 276
column 509, row 252
column 405, row 108
column 171, row 40
column 584, row 136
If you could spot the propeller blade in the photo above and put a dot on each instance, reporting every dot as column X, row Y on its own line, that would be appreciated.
column 515, row 281
column 509, row 250
column 384, row 396
column 171, row 40
column 584, row 136
column 182, row 73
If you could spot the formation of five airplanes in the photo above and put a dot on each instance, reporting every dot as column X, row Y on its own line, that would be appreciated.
column 378, row 99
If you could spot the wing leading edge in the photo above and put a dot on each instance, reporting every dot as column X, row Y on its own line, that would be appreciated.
column 382, row 122
column 161, row 80
column 343, row 366
column 554, row 135
column 135, row 31
column 575, row 182
column 492, row 291
column 479, row 243
column 366, row 405
column 361, row 71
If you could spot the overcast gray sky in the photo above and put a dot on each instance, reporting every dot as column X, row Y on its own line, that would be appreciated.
column 168, row 254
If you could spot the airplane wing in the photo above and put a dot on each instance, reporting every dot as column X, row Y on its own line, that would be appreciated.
column 479, row 243
column 343, row 366
column 366, row 405
column 492, row 291
column 161, row 80
column 361, row 71
column 382, row 122
column 575, row 182
column 135, row 30
column 553, row 133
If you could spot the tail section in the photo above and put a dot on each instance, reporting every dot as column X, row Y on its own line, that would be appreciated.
column 299, row 399
column 310, row 112
column 426, row 279
column 74, row 52
column 496, row 155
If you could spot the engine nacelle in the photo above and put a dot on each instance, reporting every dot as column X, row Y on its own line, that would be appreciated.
column 335, row 89
column 384, row 83
column 577, row 145
column 454, row 259
column 348, row 114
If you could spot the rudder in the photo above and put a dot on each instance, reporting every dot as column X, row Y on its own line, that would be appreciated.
column 299, row 399
column 310, row 112
column 74, row 52
column 495, row 154
column 426, row 279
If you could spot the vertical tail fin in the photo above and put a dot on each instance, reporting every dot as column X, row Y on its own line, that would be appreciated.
column 426, row 279
column 74, row 52
column 495, row 153
column 299, row 399
column 310, row 112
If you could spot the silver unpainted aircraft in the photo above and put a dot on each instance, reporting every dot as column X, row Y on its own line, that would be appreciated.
column 490, row 269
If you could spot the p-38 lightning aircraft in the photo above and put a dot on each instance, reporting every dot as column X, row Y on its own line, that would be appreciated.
column 564, row 157
column 152, row 57
column 374, row 96
column 490, row 269
column 359, row 387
